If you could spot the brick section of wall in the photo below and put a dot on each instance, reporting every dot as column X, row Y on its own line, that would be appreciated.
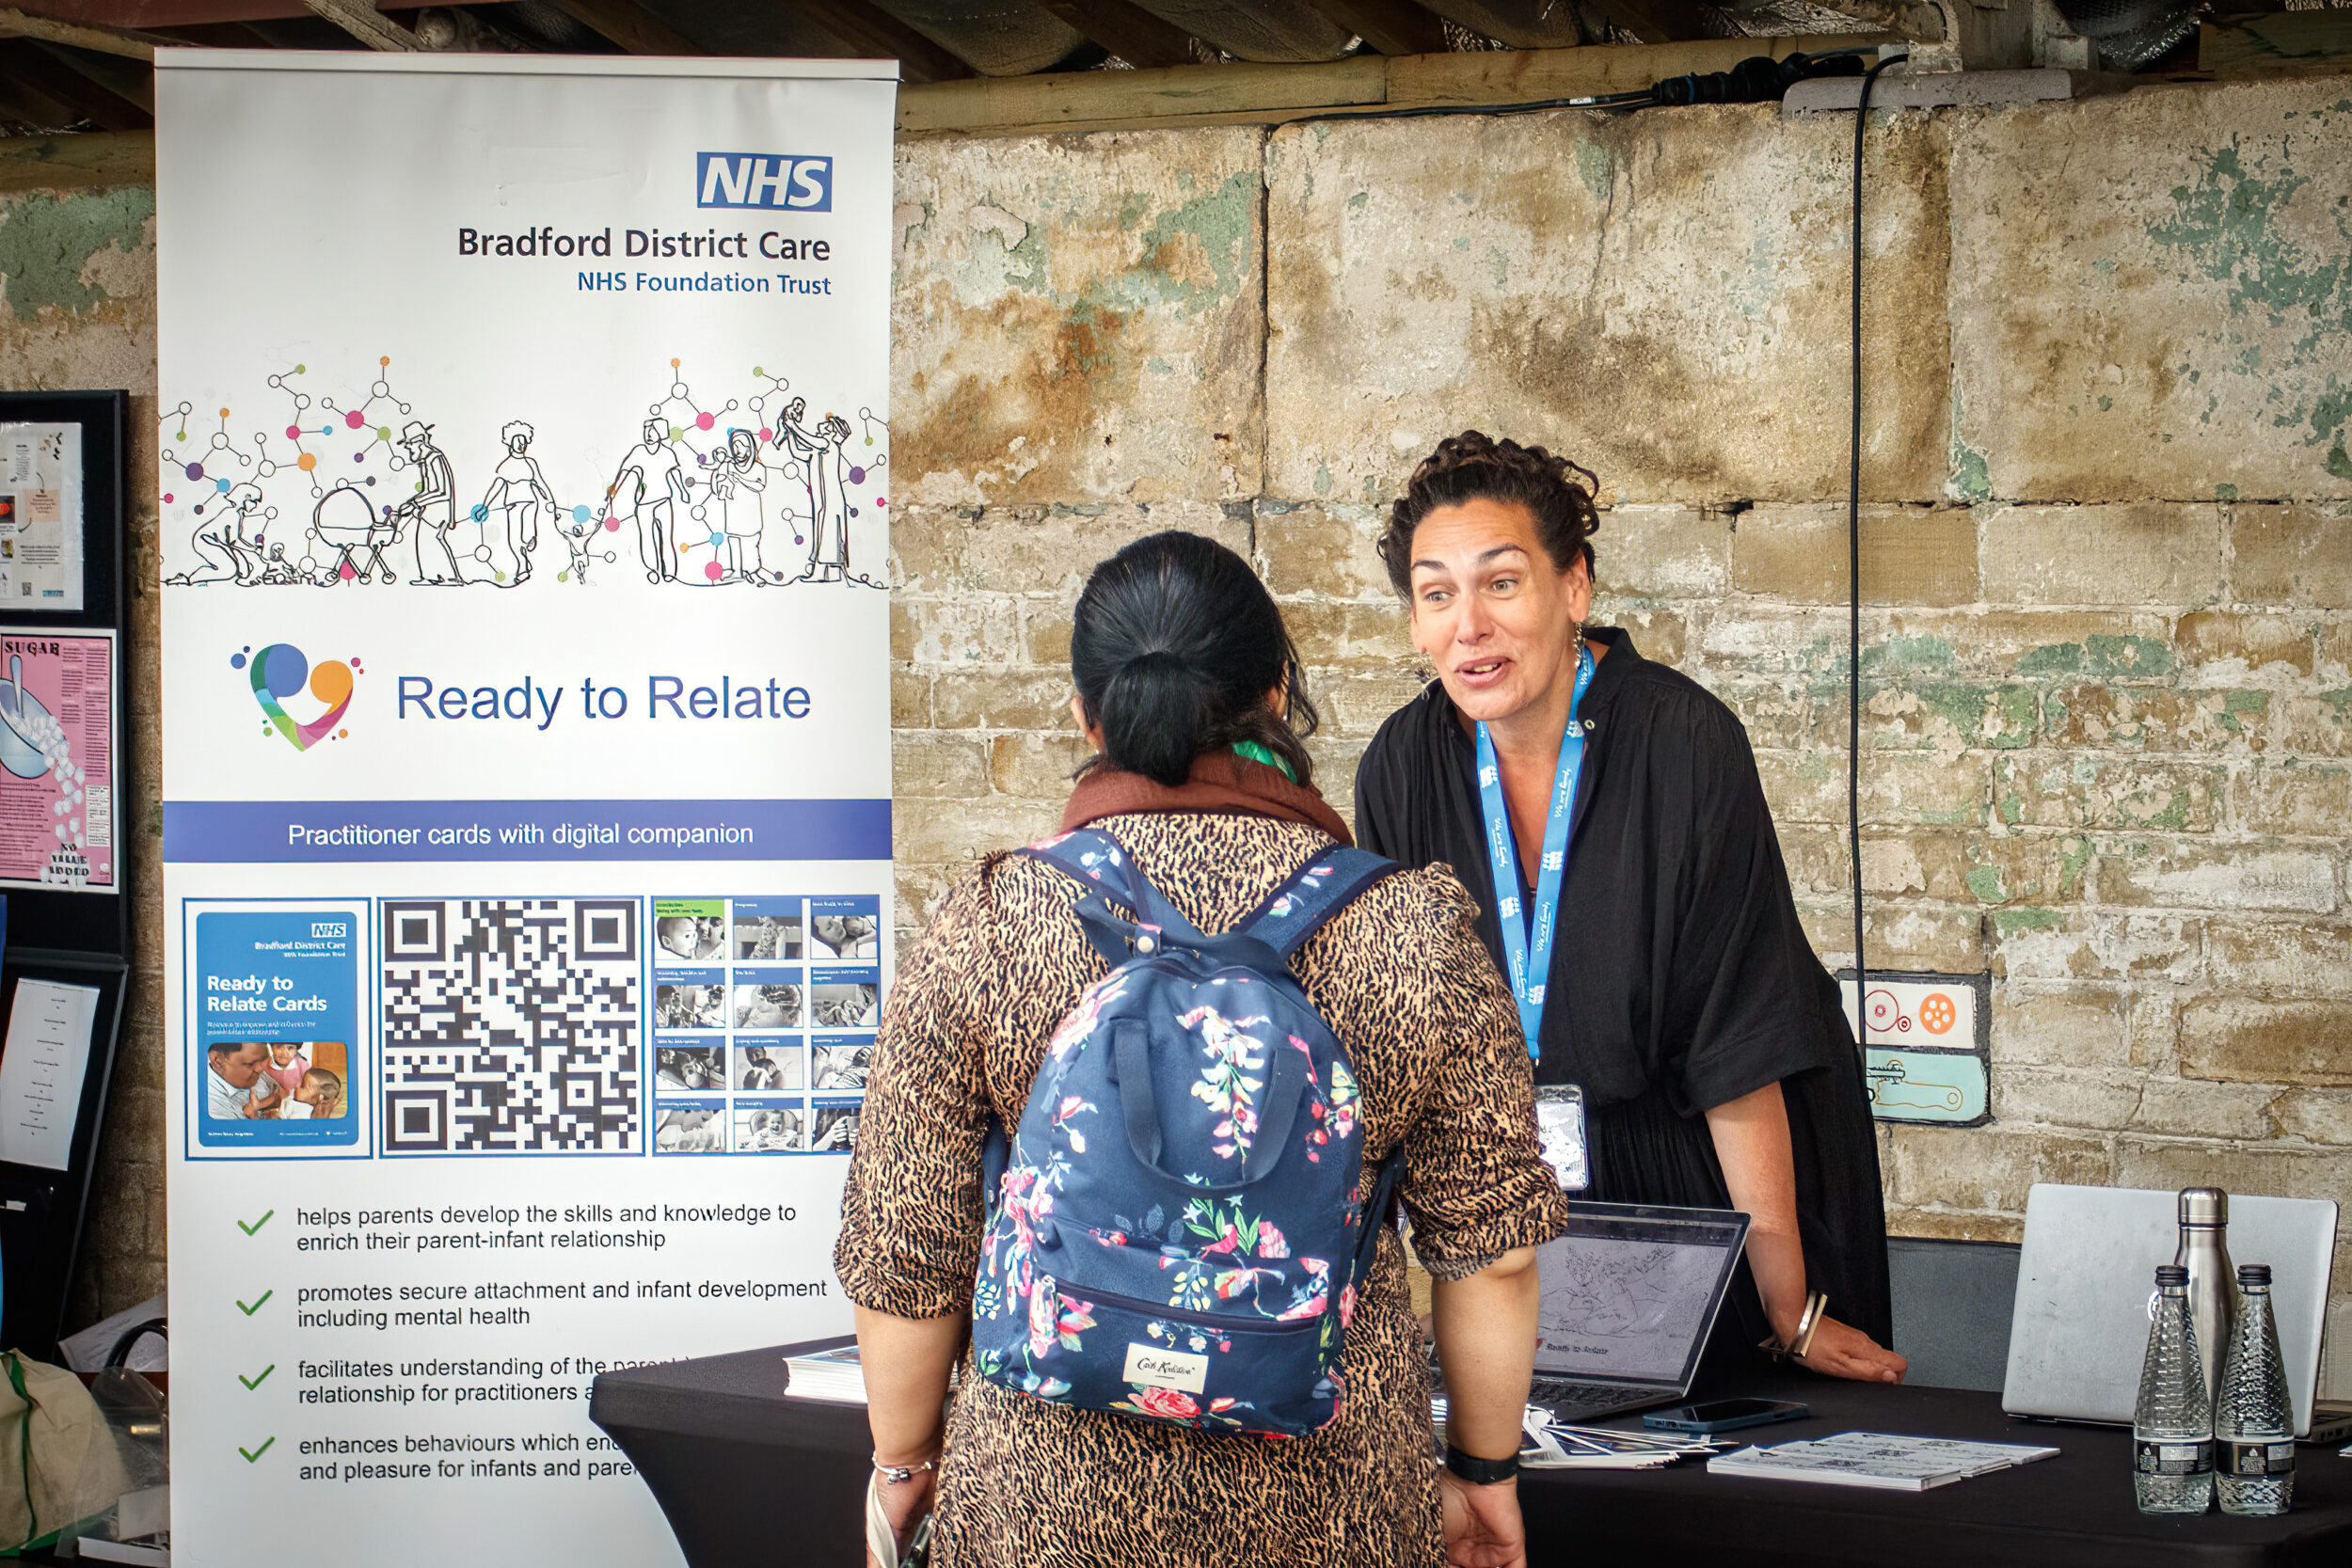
column 2106, row 549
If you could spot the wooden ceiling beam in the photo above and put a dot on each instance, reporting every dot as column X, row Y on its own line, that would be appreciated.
column 1128, row 31
column 49, row 73
column 880, row 35
column 1654, row 20
column 628, row 24
column 1390, row 26
column 126, row 79
column 364, row 22
column 127, row 42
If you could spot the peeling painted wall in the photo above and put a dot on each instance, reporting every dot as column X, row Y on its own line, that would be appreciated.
column 2108, row 544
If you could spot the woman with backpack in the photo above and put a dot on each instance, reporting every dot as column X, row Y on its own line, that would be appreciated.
column 1138, row 1102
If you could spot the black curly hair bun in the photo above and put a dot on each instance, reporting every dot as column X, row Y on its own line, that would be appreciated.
column 1475, row 465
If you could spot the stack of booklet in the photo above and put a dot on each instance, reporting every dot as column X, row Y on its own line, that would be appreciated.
column 831, row 1373
column 1878, row 1459
column 831, row 1370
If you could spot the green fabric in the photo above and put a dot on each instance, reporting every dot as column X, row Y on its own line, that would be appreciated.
column 1256, row 752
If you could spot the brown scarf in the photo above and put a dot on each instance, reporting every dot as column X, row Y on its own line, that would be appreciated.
column 1220, row 782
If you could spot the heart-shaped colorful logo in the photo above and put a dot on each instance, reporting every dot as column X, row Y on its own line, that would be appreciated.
column 283, row 671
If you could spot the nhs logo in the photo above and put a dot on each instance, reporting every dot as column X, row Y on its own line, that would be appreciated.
column 776, row 180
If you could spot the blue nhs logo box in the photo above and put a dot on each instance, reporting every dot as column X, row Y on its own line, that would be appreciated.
column 777, row 180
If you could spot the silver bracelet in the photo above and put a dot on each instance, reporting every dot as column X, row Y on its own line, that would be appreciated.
column 899, row 1474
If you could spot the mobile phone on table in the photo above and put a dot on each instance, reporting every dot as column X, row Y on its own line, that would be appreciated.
column 1725, row 1415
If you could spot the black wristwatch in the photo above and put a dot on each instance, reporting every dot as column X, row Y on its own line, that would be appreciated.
column 1477, row 1471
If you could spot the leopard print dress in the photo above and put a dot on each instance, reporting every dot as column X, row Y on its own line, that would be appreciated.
column 1435, row 1043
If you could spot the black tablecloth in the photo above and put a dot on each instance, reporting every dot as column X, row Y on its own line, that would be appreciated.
column 748, row 1476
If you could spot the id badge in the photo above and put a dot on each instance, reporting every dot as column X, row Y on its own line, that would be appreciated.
column 1559, row 1125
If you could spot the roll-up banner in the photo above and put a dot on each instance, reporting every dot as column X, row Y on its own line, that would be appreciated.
column 526, row 817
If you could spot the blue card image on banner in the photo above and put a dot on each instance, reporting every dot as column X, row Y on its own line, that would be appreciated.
column 275, row 1029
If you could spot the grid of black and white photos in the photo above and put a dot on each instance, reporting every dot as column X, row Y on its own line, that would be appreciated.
column 764, row 1015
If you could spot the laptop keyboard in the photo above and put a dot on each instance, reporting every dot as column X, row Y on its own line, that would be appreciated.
column 1582, row 1402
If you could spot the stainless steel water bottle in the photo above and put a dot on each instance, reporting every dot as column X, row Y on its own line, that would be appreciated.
column 2204, row 1252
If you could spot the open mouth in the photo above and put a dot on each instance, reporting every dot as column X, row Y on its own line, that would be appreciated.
column 1484, row 671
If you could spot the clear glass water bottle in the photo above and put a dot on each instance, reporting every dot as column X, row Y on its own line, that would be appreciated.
column 2173, row 1424
column 2253, row 1416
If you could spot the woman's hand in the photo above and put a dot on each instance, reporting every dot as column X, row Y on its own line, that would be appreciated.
column 1839, row 1351
column 1483, row 1528
column 904, row 1504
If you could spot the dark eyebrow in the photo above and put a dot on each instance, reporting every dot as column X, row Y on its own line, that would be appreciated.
column 1485, row 556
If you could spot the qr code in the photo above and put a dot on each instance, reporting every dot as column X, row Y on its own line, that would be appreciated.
column 510, row 1026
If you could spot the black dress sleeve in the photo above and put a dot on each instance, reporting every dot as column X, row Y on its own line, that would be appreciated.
column 1744, row 979
column 1385, row 794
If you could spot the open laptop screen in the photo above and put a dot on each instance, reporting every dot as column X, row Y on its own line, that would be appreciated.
column 1630, row 1291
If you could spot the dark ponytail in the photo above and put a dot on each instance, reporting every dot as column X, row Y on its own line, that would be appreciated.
column 1175, row 645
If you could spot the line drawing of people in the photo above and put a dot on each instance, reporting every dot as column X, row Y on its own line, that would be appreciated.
column 224, row 551
column 738, row 487
column 432, row 511
column 518, row 496
column 654, row 487
column 820, row 452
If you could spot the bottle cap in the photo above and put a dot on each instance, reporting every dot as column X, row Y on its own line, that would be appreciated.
column 2204, row 1206
column 2171, row 1273
column 2253, row 1273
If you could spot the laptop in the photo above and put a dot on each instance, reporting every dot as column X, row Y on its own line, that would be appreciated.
column 1629, row 1295
column 2078, row 1329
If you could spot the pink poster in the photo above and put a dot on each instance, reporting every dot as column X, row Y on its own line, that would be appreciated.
column 56, row 759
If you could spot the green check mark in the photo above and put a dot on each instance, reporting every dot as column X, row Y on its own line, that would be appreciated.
column 256, row 1225
column 248, row 1311
column 252, row 1454
column 251, row 1383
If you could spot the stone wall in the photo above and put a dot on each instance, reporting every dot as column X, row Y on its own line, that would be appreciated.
column 2108, row 544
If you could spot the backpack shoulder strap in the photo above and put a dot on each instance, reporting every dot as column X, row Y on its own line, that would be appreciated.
column 1095, row 858
column 1102, row 866
column 1321, row 887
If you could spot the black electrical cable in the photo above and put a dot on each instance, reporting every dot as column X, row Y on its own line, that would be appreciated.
column 1854, row 574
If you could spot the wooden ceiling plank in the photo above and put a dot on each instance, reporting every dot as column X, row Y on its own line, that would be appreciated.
column 1063, row 98
column 82, row 160
column 125, row 79
column 1390, row 26
column 51, row 75
column 879, row 34
column 1275, row 94
column 1128, row 31
column 364, row 22
column 1537, row 75
column 1654, row 20
column 631, row 25
column 125, row 41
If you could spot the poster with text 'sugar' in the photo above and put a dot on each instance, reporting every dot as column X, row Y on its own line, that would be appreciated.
column 526, row 475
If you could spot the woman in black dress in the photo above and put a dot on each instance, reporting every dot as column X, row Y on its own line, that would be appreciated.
column 1679, row 990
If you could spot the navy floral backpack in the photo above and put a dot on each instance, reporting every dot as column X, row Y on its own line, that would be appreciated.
column 1185, row 1213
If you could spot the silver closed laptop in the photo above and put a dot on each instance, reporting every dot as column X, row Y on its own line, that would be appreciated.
column 2078, row 1330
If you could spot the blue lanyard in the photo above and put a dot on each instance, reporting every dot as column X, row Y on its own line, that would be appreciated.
column 1531, row 961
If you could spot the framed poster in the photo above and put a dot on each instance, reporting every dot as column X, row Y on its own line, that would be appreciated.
column 61, row 730
column 40, row 516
